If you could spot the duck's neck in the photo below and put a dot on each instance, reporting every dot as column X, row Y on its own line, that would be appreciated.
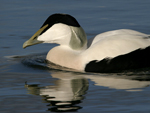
column 69, row 55
column 66, row 57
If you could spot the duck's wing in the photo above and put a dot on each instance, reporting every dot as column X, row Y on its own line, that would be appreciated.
column 115, row 43
column 117, row 33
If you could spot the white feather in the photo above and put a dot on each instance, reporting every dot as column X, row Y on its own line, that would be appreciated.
column 58, row 33
column 113, row 43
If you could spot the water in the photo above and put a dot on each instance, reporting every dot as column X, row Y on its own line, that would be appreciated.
column 27, row 84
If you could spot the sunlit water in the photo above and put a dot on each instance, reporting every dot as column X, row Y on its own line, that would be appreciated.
column 28, row 83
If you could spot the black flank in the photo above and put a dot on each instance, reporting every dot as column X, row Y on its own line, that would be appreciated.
column 139, row 58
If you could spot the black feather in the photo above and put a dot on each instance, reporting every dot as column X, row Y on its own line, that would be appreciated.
column 60, row 18
column 139, row 58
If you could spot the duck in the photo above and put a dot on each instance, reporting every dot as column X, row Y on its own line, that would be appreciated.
column 112, row 51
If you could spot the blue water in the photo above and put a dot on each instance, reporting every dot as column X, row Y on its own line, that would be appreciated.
column 27, row 84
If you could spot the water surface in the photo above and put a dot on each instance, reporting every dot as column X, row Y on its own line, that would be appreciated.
column 28, row 84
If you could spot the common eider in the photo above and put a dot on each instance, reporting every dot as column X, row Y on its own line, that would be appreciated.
column 111, row 51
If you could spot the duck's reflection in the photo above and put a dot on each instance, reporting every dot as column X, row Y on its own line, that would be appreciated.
column 69, row 90
column 127, row 83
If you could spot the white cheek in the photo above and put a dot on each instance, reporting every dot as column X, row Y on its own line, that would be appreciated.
column 47, row 36
column 56, row 33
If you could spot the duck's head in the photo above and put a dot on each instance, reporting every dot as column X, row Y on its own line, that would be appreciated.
column 62, row 29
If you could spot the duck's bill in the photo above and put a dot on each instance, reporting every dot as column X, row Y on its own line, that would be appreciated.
column 33, row 40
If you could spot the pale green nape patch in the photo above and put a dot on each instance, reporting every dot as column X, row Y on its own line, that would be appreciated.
column 78, row 39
